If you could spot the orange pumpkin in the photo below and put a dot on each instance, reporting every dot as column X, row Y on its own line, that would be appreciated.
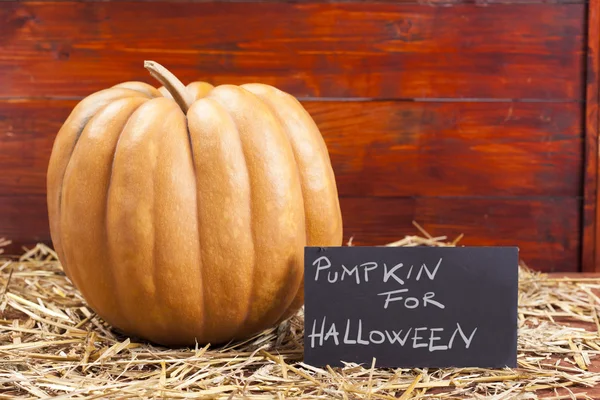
column 181, row 213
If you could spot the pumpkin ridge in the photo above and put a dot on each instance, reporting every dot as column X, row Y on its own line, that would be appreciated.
column 243, row 325
column 223, row 216
column 156, row 282
column 86, row 120
column 59, row 213
column 112, row 163
column 79, row 108
column 113, row 278
column 252, row 226
column 285, row 309
column 171, row 167
column 154, row 269
column 200, row 263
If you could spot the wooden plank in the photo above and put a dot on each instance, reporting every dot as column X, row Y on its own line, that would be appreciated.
column 453, row 149
column 377, row 148
column 24, row 221
column 545, row 229
column 591, row 216
column 375, row 50
column 27, row 132
column 429, row 2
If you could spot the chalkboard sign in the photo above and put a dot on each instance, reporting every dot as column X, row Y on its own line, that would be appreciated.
column 411, row 306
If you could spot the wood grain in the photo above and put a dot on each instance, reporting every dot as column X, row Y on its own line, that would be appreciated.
column 429, row 2
column 452, row 149
column 24, row 221
column 375, row 50
column 591, row 217
column 501, row 159
column 377, row 148
column 545, row 229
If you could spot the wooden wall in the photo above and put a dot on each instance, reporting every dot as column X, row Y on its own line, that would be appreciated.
column 466, row 117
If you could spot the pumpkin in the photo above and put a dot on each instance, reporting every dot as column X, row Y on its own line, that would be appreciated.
column 181, row 213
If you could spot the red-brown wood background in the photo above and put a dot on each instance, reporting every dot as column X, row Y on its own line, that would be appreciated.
column 467, row 117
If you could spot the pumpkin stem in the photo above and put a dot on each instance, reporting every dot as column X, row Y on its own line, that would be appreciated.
column 182, row 97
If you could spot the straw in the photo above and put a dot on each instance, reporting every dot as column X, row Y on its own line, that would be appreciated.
column 53, row 345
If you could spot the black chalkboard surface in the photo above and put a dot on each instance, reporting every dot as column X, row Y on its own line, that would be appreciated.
column 411, row 306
